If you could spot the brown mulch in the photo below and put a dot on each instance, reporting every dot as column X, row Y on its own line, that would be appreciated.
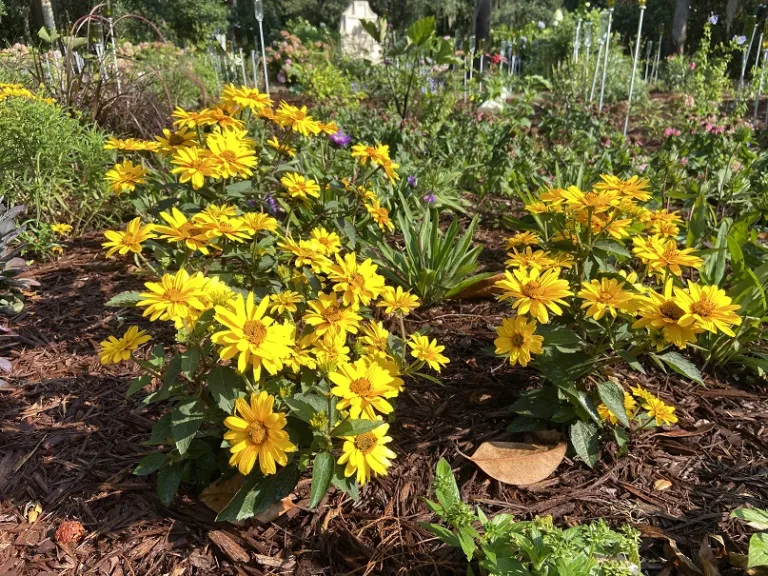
column 69, row 440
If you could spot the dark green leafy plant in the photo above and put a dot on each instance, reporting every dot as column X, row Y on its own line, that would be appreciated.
column 11, row 266
column 758, row 543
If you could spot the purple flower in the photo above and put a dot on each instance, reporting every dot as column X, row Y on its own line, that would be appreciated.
column 340, row 139
column 713, row 18
column 740, row 39
column 281, row 77
column 288, row 61
column 272, row 204
column 412, row 181
column 429, row 198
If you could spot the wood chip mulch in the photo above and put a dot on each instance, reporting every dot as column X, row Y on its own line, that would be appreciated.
column 69, row 440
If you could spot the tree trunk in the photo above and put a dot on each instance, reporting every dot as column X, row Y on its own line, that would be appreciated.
column 45, row 10
column 482, row 19
column 730, row 14
column 680, row 25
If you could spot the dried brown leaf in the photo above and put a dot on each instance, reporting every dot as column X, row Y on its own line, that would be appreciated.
column 661, row 484
column 218, row 494
column 480, row 290
column 518, row 463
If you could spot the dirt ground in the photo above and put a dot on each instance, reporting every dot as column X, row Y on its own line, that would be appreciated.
column 69, row 440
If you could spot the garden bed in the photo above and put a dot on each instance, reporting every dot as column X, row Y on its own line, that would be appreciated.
column 69, row 440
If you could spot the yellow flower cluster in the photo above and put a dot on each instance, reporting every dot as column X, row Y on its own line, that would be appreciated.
column 18, row 91
column 655, row 409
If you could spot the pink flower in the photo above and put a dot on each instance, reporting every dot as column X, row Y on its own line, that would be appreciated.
column 606, row 142
column 669, row 132
column 692, row 66
column 684, row 161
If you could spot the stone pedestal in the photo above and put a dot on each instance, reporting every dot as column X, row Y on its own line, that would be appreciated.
column 355, row 41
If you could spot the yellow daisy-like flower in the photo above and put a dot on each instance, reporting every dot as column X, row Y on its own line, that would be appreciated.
column 61, row 229
column 245, row 97
column 219, row 117
column 219, row 210
column 380, row 215
column 299, row 187
column 255, row 433
column 363, row 388
column 663, row 228
column 606, row 295
column 374, row 337
column 529, row 258
column 331, row 352
column 517, row 339
column 182, row 230
column 630, row 405
column 595, row 201
column 284, row 302
column 257, row 340
column 176, row 297
column 426, row 351
column 233, row 229
column 526, row 238
column 297, row 119
column 358, row 282
column 126, row 145
column 282, row 148
column 664, row 312
column 642, row 393
column 126, row 176
column 300, row 355
column 217, row 293
column 187, row 119
column 535, row 292
column 329, row 241
column 128, row 240
column 329, row 318
column 193, row 164
column 257, row 222
column 664, row 414
column 329, row 128
column 308, row 253
column 661, row 254
column 710, row 308
column 553, row 196
column 170, row 141
column 115, row 350
column 635, row 188
column 398, row 301
column 367, row 455
column 230, row 154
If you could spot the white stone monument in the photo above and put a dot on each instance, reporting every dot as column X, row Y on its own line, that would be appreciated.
column 355, row 41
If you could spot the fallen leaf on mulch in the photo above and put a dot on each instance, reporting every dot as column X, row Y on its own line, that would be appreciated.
column 661, row 484
column 483, row 289
column 219, row 493
column 69, row 532
column 32, row 511
column 518, row 463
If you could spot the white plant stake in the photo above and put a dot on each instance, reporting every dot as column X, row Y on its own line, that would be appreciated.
column 598, row 61
column 634, row 65
column 254, row 70
column 258, row 6
column 607, row 51
column 657, row 62
column 648, row 50
column 759, row 87
column 576, row 41
column 114, row 46
column 745, row 57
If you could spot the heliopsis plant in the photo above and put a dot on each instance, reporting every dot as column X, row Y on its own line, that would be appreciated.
column 289, row 349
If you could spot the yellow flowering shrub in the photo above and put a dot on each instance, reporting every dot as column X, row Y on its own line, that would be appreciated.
column 290, row 349
column 596, row 279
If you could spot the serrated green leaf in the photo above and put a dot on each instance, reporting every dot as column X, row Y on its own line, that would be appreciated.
column 124, row 300
column 347, row 484
column 137, row 384
column 682, row 366
column 161, row 431
column 758, row 550
column 259, row 492
column 225, row 386
column 355, row 427
column 612, row 396
column 755, row 517
column 189, row 362
column 322, row 472
column 168, row 482
column 150, row 463
column 186, row 420
column 584, row 437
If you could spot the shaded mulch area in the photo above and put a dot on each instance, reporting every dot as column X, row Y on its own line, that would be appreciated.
column 69, row 440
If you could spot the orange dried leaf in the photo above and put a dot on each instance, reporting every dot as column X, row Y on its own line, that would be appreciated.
column 518, row 463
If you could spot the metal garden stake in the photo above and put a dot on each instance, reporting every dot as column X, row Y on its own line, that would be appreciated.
column 258, row 6
column 634, row 65
column 607, row 50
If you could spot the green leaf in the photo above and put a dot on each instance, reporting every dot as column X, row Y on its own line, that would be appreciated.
column 612, row 247
column 561, row 338
column 612, row 396
column 259, row 492
column 526, row 424
column 584, row 436
column 124, row 300
column 226, row 386
column 622, row 439
column 682, row 366
column 138, row 384
column 189, row 362
column 355, row 427
column 186, row 420
column 446, row 489
column 302, row 410
column 633, row 362
column 150, row 463
column 346, row 484
column 541, row 403
column 755, row 517
column 758, row 550
column 168, row 482
column 161, row 431
column 443, row 533
column 421, row 30
column 322, row 472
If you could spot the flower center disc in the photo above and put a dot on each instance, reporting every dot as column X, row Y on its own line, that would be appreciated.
column 174, row 295
column 532, row 290
column 228, row 155
column 517, row 339
column 671, row 310
column 332, row 314
column 358, row 280
column 703, row 308
column 365, row 442
column 175, row 140
column 255, row 332
column 360, row 386
column 605, row 297
column 257, row 433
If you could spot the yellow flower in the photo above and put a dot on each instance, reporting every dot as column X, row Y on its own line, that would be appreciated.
column 282, row 148
column 529, row 258
column 300, row 355
column 175, row 297
column 426, row 351
column 193, row 164
column 535, row 292
column 297, row 119
column 329, row 318
column 187, row 119
column 629, row 407
column 380, row 215
column 709, row 307
column 128, row 145
column 217, row 293
column 605, row 295
column 245, row 97
column 664, row 414
column 330, row 242
column 635, row 188
column 398, row 301
column 219, row 117
column 284, row 302
column 642, row 393
column 523, row 239
column 374, row 337
column 358, row 282
column 180, row 229
column 61, row 229
column 128, row 240
column 367, row 454
column 215, row 227
column 256, row 222
column 661, row 254
column 230, row 154
column 126, row 176
column 329, row 127
column 663, row 228
column 517, row 339
column 308, row 253
column 595, row 201
column 330, row 352
column 257, row 340
column 115, row 350
column 169, row 142
column 363, row 388
column 255, row 433
column 553, row 196
column 664, row 312
column 300, row 187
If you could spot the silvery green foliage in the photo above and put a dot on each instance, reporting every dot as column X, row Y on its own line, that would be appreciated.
column 11, row 265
